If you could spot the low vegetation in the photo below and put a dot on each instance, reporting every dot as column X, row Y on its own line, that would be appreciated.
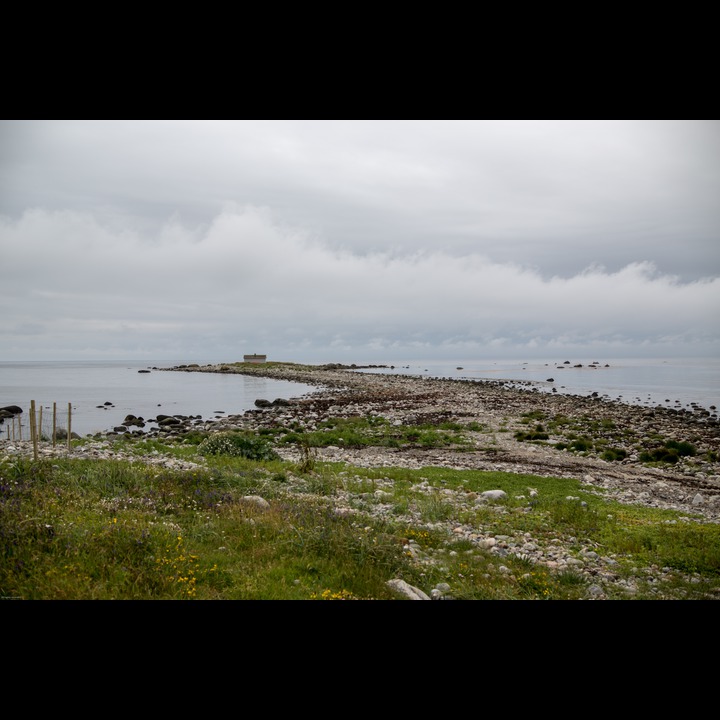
column 223, row 517
column 358, row 432
column 602, row 438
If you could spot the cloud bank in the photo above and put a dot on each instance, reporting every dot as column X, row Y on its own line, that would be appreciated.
column 75, row 285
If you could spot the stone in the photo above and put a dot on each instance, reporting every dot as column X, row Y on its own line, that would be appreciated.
column 493, row 495
column 407, row 590
column 258, row 501
column 11, row 409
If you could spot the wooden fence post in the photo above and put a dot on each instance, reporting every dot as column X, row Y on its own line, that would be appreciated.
column 54, row 422
column 69, row 432
column 33, row 430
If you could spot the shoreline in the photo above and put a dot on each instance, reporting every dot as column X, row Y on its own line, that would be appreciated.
column 338, row 375
column 494, row 421
column 691, row 483
column 618, row 390
column 497, row 418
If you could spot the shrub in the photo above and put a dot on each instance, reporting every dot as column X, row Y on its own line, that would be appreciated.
column 581, row 445
column 537, row 434
column 308, row 459
column 670, row 452
column 193, row 437
column 612, row 454
column 683, row 448
column 248, row 446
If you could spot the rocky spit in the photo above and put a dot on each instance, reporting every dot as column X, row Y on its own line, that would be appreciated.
column 500, row 408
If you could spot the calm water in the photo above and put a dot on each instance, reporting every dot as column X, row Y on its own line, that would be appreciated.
column 671, row 383
column 89, row 385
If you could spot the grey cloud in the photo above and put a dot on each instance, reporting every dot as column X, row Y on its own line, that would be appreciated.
column 350, row 236
column 249, row 278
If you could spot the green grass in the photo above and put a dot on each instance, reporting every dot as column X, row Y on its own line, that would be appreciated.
column 358, row 432
column 601, row 437
column 75, row 528
column 238, row 444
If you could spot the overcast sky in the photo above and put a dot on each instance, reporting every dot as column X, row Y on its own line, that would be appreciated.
column 367, row 241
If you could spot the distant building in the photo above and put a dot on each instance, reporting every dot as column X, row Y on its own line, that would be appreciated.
column 255, row 358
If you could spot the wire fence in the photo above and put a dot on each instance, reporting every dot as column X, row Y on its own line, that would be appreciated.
column 51, row 427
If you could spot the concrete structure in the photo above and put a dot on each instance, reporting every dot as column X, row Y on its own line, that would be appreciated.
column 255, row 358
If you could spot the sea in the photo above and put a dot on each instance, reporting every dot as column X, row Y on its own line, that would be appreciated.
column 100, row 394
column 670, row 382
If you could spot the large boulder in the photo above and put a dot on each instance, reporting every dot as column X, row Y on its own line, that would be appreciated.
column 11, row 409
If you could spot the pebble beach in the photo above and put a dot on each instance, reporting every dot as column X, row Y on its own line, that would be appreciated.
column 692, row 483
column 499, row 416
column 502, row 411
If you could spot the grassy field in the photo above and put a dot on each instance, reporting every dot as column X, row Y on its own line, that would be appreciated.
column 225, row 518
